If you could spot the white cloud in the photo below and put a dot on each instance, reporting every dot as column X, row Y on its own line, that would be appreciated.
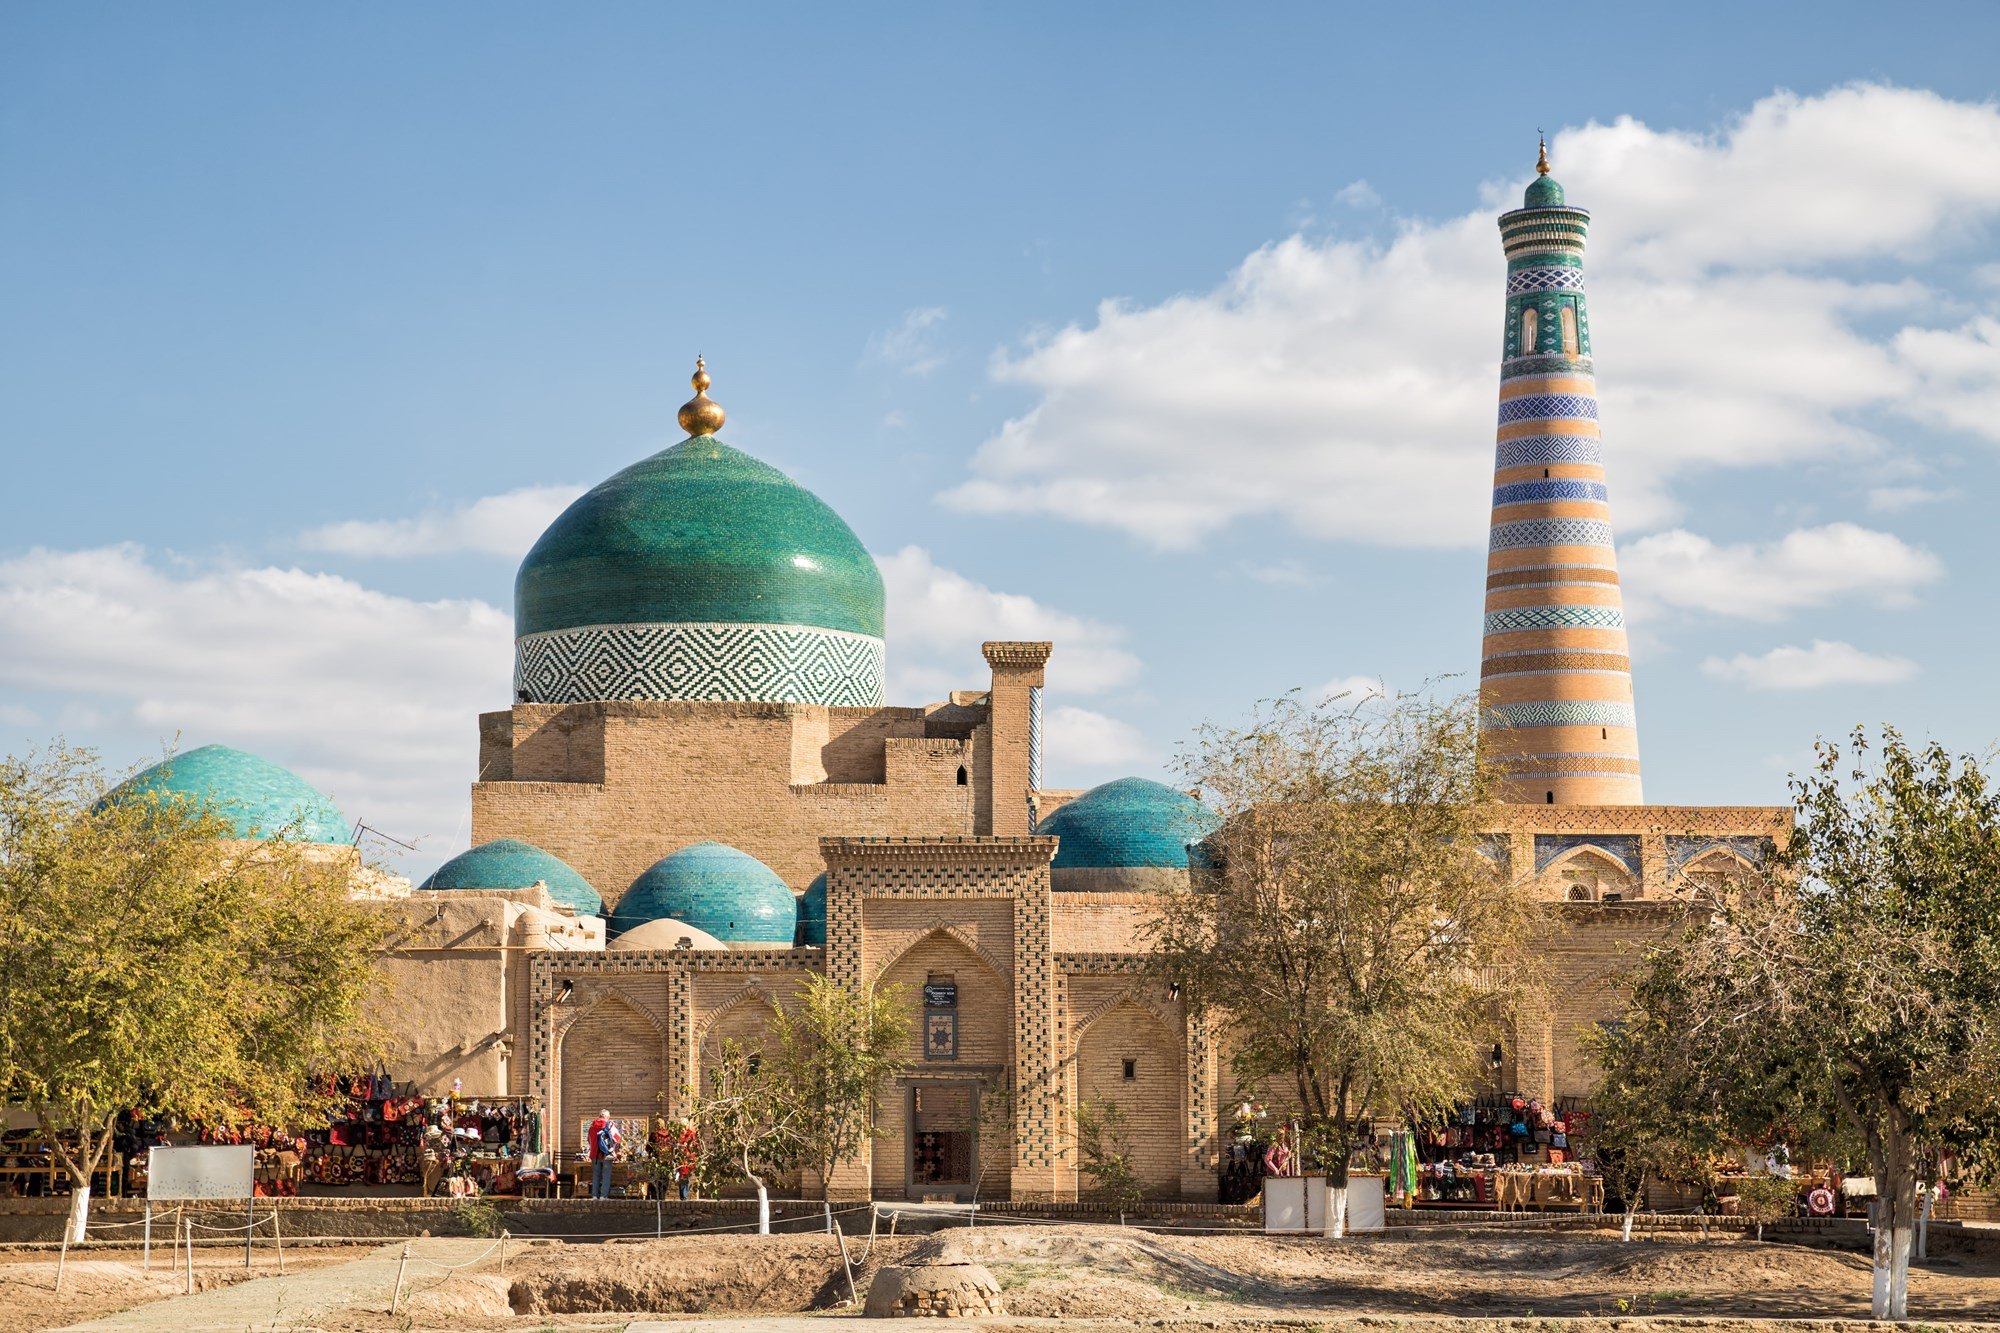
column 911, row 346
column 1358, row 194
column 1822, row 664
column 375, row 698
column 502, row 525
column 938, row 618
column 1346, row 387
column 371, row 697
column 1896, row 499
column 1084, row 746
column 1350, row 690
column 1840, row 562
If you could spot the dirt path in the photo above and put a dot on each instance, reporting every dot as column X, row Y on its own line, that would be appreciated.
column 357, row 1286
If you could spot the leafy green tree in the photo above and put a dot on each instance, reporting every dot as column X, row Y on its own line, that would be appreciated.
column 1354, row 939
column 1852, row 996
column 832, row 1050
column 745, row 1124
column 1106, row 1154
column 151, row 961
column 1652, row 1117
column 1762, row 1199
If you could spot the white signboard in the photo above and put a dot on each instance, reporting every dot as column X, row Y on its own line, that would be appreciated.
column 200, row 1173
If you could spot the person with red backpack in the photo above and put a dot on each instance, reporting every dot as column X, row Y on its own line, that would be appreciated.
column 604, row 1142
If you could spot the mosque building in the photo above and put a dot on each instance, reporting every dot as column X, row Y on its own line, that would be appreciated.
column 699, row 796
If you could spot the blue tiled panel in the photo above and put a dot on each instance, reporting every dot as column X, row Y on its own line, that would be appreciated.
column 1620, row 847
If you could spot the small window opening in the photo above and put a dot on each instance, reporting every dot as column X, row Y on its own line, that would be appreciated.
column 1552, row 798
column 1131, row 1071
column 1604, row 733
column 961, row 775
column 1545, row 472
column 1614, row 897
column 1528, row 320
column 756, row 1063
column 1569, row 329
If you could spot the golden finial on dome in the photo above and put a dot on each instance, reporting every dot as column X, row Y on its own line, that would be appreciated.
column 700, row 415
column 1542, row 163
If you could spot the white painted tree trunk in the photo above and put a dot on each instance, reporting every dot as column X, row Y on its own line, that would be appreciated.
column 763, row 1210
column 1631, row 1212
column 828, row 1206
column 1336, row 1212
column 79, row 1211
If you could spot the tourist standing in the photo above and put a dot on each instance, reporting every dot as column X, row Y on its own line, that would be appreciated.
column 605, row 1142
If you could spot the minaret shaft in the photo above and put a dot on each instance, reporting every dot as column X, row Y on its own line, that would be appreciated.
column 1555, row 673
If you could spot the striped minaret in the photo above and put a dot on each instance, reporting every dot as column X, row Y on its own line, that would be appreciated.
column 1555, row 677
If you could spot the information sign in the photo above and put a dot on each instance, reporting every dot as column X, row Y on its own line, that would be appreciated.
column 219, row 1172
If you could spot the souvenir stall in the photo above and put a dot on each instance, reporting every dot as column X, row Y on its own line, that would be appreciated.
column 385, row 1136
column 1498, row 1151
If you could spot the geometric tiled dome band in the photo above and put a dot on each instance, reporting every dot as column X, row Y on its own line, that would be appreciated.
column 737, row 663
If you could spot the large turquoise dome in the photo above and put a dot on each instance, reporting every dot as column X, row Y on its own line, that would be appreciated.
column 699, row 573
column 257, row 797
column 509, row 863
column 1121, row 834
column 730, row 894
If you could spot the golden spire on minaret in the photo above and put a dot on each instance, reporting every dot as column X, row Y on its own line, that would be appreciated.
column 1542, row 163
column 700, row 415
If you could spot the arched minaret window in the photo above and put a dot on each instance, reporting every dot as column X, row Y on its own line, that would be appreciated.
column 1569, row 329
column 1528, row 318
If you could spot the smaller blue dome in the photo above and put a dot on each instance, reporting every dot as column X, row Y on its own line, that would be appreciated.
column 258, row 798
column 812, row 915
column 730, row 894
column 509, row 863
column 1131, row 823
column 1543, row 192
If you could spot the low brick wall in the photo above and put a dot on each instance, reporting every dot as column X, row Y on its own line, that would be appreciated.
column 41, row 1220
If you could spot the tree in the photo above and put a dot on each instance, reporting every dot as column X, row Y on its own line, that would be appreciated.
column 832, row 1050
column 1852, row 994
column 1651, row 1117
column 152, row 961
column 745, row 1125
column 1106, row 1155
column 1355, row 940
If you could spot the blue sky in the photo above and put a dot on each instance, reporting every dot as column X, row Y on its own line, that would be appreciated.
column 1164, row 331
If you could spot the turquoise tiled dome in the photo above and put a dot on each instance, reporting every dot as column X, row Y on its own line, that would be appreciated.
column 699, row 573
column 509, row 863
column 730, row 894
column 812, row 914
column 256, row 796
column 699, row 533
column 1131, row 823
column 1543, row 192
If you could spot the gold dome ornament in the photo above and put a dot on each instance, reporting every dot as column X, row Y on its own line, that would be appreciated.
column 700, row 415
column 1542, row 165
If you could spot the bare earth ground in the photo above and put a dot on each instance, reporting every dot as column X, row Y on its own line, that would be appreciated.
column 1444, row 1281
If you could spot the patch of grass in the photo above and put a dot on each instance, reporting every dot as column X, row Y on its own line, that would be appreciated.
column 1011, row 1275
column 1671, row 1294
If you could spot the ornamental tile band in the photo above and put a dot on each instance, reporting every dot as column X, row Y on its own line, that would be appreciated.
column 1550, row 532
column 743, row 663
column 1529, row 492
column 1549, row 407
column 1571, row 713
column 1535, row 450
column 1545, row 278
column 1554, row 617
